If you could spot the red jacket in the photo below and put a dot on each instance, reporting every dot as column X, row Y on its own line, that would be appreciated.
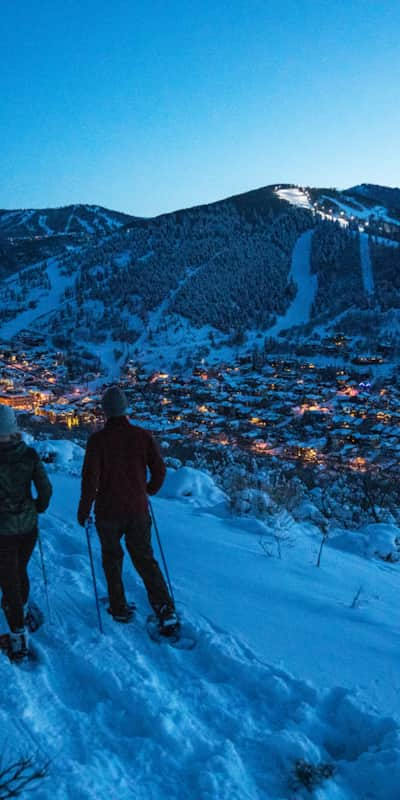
column 114, row 473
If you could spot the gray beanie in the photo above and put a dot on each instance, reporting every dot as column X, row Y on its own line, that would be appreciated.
column 114, row 402
column 8, row 422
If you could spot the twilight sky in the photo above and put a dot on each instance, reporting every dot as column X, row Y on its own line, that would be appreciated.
column 148, row 107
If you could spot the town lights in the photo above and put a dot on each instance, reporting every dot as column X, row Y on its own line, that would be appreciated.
column 159, row 376
column 358, row 464
column 310, row 454
column 262, row 448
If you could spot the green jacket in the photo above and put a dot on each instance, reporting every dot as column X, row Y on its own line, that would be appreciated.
column 20, row 465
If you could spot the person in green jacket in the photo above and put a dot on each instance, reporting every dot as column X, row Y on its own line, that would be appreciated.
column 20, row 466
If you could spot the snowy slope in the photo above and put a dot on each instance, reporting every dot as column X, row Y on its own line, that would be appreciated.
column 121, row 717
column 299, row 310
column 362, row 212
column 47, row 300
column 366, row 264
column 295, row 196
column 388, row 196
column 341, row 211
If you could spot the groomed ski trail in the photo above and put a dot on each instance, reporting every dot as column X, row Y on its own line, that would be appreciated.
column 366, row 265
column 299, row 310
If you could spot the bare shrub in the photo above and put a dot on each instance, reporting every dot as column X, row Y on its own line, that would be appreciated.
column 356, row 601
column 285, row 492
column 310, row 775
column 280, row 535
column 20, row 775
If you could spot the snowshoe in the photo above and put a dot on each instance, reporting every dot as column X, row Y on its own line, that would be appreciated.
column 168, row 622
column 180, row 636
column 15, row 646
column 18, row 646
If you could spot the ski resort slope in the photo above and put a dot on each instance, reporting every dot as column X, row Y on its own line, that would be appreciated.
column 366, row 264
column 120, row 717
column 299, row 310
column 47, row 300
column 295, row 196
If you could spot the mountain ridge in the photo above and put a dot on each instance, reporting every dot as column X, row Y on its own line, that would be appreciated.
column 60, row 220
column 365, row 188
column 203, row 278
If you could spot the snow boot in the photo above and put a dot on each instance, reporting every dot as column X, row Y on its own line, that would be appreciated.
column 18, row 645
column 168, row 622
column 124, row 614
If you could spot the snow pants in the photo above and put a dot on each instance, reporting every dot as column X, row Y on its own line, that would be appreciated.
column 15, row 552
column 137, row 531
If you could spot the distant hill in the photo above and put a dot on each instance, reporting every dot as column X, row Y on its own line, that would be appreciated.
column 385, row 195
column 29, row 235
column 68, row 220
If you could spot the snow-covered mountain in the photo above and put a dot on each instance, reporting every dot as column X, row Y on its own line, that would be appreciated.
column 291, row 692
column 383, row 195
column 76, row 219
column 208, row 278
column 378, row 207
column 30, row 235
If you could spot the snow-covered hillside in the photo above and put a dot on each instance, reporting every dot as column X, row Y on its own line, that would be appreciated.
column 387, row 196
column 285, row 669
column 352, row 205
column 44, row 299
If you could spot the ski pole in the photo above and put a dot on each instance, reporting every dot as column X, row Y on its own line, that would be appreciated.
column 162, row 553
column 44, row 573
column 88, row 525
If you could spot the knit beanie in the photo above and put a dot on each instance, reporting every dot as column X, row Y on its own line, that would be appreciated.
column 114, row 402
column 8, row 422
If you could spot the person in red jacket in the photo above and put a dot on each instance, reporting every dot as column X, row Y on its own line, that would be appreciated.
column 114, row 477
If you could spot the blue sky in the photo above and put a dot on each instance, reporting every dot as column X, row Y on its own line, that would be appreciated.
column 148, row 107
